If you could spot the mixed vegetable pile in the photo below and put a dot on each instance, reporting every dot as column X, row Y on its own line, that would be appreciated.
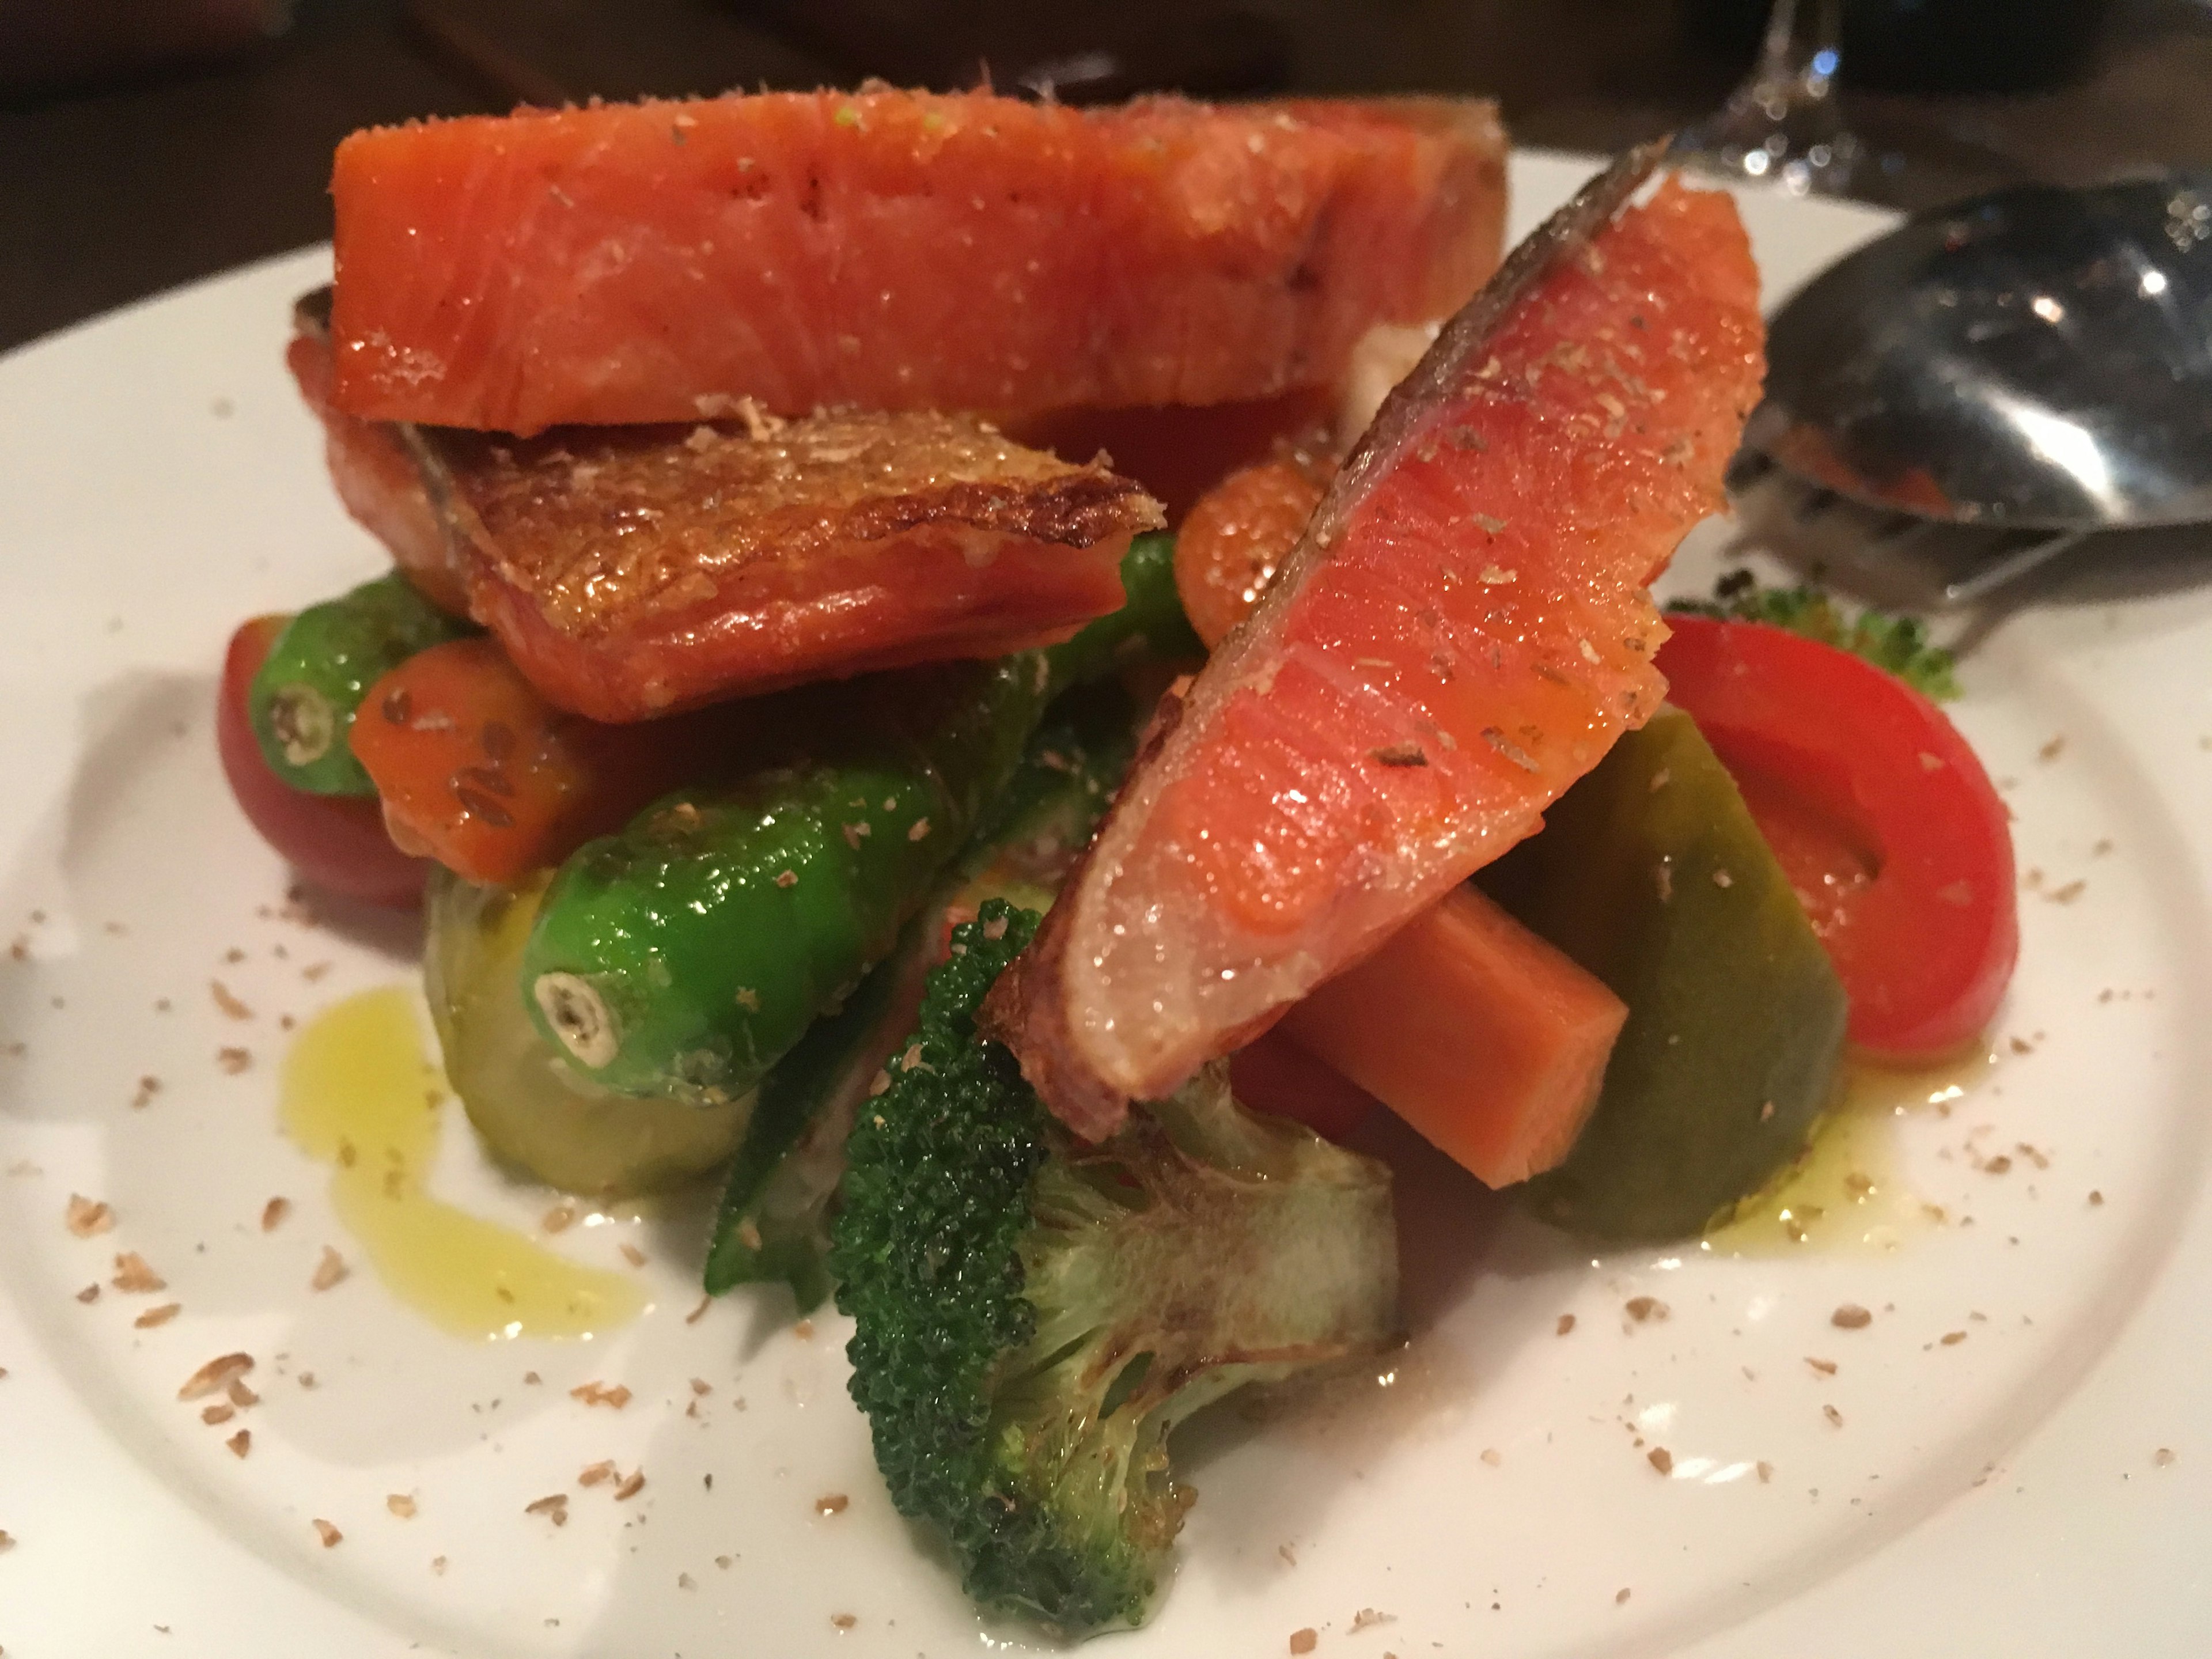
column 768, row 936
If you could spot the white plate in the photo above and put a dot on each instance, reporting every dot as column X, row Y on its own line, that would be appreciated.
column 2004, row 1494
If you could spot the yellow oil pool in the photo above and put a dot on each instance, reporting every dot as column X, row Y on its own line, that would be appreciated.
column 359, row 1093
column 1847, row 1191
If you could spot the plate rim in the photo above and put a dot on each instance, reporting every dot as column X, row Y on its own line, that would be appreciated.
column 1873, row 1590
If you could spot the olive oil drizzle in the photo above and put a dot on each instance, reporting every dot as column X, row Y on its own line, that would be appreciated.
column 1846, row 1191
column 358, row 1093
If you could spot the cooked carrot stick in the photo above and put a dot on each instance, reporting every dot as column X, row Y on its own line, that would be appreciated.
column 1488, row 1041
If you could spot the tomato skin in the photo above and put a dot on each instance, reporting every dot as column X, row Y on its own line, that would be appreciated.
column 336, row 841
column 1231, row 542
column 1911, row 884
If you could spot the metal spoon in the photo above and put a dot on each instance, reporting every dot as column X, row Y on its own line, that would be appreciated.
column 2035, row 362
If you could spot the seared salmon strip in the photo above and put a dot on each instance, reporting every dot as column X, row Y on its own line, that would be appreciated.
column 1463, row 630
column 630, row 573
column 893, row 250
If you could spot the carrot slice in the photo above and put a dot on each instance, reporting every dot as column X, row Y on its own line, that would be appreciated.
column 1488, row 1041
column 479, row 772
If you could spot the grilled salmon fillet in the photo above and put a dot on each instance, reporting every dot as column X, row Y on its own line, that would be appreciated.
column 893, row 251
column 1462, row 631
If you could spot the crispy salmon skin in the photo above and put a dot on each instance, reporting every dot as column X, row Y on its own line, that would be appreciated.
column 888, row 250
column 630, row 573
column 1463, row 630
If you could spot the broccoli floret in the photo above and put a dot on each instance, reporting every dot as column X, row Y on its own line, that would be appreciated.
column 1033, row 1314
column 1899, row 645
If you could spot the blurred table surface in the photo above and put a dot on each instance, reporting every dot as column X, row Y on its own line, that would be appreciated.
column 120, row 186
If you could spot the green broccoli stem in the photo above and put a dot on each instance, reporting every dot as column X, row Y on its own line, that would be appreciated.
column 1032, row 1314
column 774, row 1222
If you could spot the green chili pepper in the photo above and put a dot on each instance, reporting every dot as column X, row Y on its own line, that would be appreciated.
column 1044, row 817
column 683, row 957
column 1149, row 626
column 1650, row 873
column 775, row 1219
column 303, row 699
column 530, row 1106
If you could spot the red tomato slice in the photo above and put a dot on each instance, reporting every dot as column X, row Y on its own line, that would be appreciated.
column 335, row 842
column 1886, row 823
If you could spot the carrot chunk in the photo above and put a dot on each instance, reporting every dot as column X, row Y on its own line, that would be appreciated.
column 1238, row 536
column 1488, row 1041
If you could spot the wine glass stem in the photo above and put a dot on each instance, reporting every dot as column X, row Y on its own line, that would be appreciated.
column 1802, row 48
column 1784, row 123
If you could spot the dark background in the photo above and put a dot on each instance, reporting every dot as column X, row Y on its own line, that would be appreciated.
column 139, row 155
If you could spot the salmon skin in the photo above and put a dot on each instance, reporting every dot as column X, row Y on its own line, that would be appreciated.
column 1463, row 630
column 376, row 477
column 632, row 572
column 890, row 250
